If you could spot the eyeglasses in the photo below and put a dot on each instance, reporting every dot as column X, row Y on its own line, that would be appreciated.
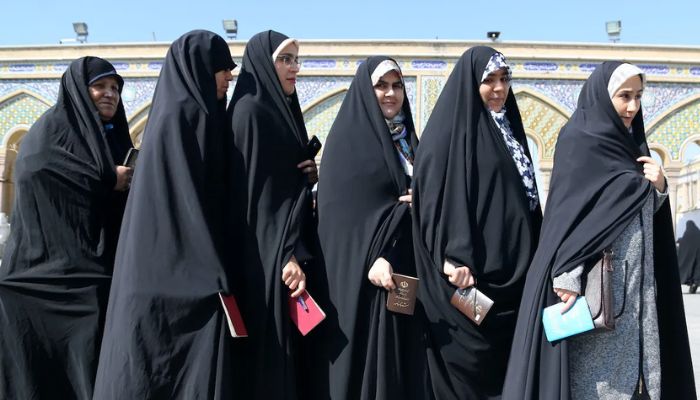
column 289, row 60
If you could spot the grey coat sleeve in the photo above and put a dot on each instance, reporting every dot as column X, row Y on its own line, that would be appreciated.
column 569, row 280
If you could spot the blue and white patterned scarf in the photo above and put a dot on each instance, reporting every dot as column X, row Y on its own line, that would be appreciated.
column 522, row 162
column 400, row 137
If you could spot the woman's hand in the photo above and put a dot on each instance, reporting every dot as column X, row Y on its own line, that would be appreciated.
column 124, row 175
column 407, row 198
column 309, row 168
column 568, row 297
column 460, row 276
column 380, row 274
column 654, row 173
column 294, row 277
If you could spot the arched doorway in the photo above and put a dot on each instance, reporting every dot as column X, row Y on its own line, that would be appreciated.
column 8, row 155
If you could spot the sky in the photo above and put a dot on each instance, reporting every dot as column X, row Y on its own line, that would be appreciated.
column 41, row 22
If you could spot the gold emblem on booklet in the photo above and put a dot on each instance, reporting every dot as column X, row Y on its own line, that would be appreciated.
column 403, row 298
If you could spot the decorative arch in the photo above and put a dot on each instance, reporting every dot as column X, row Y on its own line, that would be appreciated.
column 14, row 136
column 663, row 152
column 684, row 146
column 24, row 92
column 320, row 115
column 542, row 119
column 324, row 98
column 8, row 156
column 538, row 141
column 675, row 128
column 20, row 108
column 137, row 123
column 671, row 110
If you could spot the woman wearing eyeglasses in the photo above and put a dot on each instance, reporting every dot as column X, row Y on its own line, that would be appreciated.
column 274, row 176
column 476, row 218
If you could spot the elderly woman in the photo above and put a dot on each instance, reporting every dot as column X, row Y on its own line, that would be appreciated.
column 365, row 232
column 274, row 175
column 166, row 335
column 476, row 219
column 606, row 193
column 55, row 276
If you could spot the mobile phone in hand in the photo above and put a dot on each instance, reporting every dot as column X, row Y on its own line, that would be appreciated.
column 313, row 147
column 130, row 159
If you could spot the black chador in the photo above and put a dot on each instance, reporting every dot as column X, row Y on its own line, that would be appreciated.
column 470, row 207
column 689, row 256
column 55, row 275
column 274, row 202
column 166, row 335
column 373, row 353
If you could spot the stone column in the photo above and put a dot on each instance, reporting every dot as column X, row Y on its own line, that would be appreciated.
column 673, row 172
column 7, row 193
column 546, row 176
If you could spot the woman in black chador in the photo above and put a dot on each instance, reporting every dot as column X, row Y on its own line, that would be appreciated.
column 476, row 218
column 166, row 334
column 55, row 276
column 273, row 179
column 365, row 234
column 606, row 193
column 689, row 256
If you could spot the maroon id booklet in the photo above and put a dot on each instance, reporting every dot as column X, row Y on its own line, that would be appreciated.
column 233, row 316
column 305, row 312
column 403, row 299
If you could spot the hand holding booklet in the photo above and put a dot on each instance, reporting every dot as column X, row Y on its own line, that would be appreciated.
column 576, row 320
column 402, row 299
column 305, row 312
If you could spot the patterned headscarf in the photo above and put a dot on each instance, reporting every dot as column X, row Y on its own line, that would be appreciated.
column 497, row 61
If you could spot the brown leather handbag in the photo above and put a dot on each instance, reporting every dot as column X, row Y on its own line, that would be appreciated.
column 598, row 292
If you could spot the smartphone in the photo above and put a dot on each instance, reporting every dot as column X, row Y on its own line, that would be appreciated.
column 313, row 147
column 130, row 159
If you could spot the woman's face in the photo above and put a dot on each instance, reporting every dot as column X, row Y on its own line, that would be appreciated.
column 287, row 66
column 628, row 99
column 494, row 89
column 223, row 77
column 389, row 92
column 105, row 94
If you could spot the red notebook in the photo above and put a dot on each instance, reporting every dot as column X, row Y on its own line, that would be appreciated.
column 233, row 316
column 305, row 312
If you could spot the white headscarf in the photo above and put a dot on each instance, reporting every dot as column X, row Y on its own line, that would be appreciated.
column 622, row 74
column 384, row 67
column 282, row 45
